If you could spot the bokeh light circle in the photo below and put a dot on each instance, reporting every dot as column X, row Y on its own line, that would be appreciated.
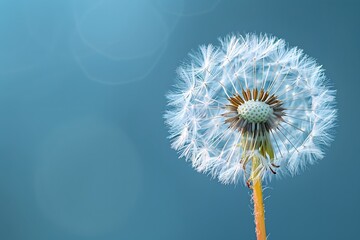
column 88, row 177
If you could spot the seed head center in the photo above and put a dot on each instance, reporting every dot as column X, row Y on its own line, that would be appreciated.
column 255, row 111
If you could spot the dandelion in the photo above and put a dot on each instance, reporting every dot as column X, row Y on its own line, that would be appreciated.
column 249, row 109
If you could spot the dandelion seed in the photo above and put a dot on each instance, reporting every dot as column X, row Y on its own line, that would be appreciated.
column 265, row 109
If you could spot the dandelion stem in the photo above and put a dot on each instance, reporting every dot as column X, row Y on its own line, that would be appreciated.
column 259, row 214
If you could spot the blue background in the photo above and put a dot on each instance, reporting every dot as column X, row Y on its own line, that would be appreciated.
column 83, row 147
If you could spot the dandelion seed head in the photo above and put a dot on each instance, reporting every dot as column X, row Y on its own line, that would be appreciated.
column 250, row 98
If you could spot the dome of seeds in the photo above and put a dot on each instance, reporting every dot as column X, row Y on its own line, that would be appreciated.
column 255, row 111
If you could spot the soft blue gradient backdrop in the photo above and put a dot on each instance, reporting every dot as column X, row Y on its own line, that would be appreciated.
column 83, row 147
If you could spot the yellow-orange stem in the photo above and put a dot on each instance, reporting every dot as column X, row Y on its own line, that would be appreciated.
column 259, row 214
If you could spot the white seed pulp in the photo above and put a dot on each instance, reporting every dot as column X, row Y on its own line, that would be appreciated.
column 255, row 111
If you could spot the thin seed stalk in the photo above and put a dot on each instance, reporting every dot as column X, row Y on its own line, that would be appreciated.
column 259, row 213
